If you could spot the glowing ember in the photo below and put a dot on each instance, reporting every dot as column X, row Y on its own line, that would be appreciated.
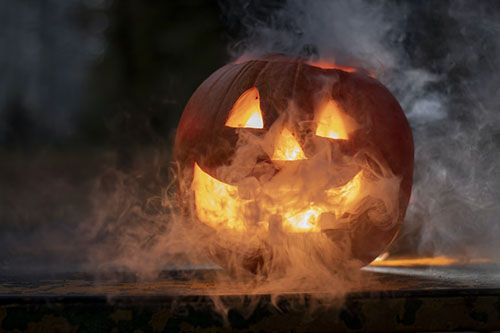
column 287, row 148
column 246, row 111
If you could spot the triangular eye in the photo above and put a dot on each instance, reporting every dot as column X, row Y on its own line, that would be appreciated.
column 333, row 123
column 246, row 112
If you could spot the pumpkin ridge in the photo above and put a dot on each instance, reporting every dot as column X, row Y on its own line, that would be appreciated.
column 298, row 68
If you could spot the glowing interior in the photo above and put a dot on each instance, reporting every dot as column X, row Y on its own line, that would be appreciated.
column 348, row 192
column 220, row 206
column 304, row 221
column 216, row 203
column 246, row 111
column 325, row 64
column 332, row 122
column 330, row 65
column 286, row 148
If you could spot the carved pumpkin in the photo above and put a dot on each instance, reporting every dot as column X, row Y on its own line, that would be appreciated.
column 280, row 144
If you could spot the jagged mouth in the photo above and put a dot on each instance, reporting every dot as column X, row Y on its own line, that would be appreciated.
column 252, row 205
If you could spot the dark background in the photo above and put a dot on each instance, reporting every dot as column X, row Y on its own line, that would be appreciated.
column 72, row 69
column 86, row 84
column 91, row 92
column 90, row 95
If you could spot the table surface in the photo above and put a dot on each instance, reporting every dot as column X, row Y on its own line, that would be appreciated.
column 463, row 296
column 456, row 278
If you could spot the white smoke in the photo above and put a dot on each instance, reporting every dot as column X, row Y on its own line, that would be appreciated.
column 441, row 61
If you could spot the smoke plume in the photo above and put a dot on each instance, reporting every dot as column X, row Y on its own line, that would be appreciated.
column 439, row 60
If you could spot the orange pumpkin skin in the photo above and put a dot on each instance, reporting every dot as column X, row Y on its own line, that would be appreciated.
column 202, row 136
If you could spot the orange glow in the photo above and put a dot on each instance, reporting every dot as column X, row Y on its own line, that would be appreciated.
column 220, row 206
column 333, row 123
column 217, row 203
column 246, row 111
column 329, row 65
column 424, row 261
column 303, row 221
column 286, row 148
column 349, row 192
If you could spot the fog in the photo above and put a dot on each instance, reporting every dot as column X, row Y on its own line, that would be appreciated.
column 439, row 59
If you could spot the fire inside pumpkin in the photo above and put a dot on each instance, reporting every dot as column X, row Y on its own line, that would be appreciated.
column 280, row 145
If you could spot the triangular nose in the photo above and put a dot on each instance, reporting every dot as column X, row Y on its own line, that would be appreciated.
column 286, row 148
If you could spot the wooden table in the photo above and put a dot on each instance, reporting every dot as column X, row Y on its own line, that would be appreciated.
column 456, row 297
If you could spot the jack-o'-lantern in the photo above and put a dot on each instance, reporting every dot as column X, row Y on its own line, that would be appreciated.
column 279, row 144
